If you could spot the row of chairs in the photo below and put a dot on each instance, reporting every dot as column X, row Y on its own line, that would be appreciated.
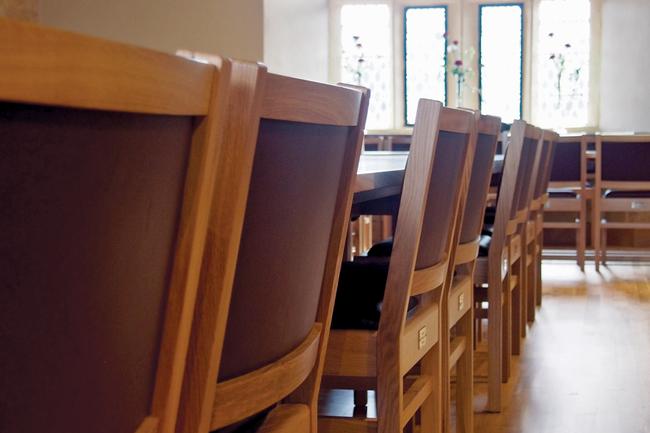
column 497, row 265
column 157, row 273
column 598, row 176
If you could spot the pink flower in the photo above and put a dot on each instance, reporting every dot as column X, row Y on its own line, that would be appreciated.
column 458, row 63
column 455, row 42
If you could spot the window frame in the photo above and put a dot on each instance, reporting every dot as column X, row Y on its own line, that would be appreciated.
column 404, row 10
column 463, row 19
column 479, row 69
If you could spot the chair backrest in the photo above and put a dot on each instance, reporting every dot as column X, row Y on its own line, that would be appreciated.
column 541, row 180
column 566, row 164
column 623, row 160
column 438, row 165
column 486, row 144
column 307, row 139
column 551, row 140
column 107, row 165
column 521, row 150
column 528, row 170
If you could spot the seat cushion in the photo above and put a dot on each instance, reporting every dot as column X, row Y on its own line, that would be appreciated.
column 490, row 215
column 381, row 249
column 360, row 294
column 484, row 245
column 611, row 193
column 562, row 193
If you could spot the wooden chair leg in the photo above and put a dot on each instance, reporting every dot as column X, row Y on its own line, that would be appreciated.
column 496, row 314
column 465, row 380
column 538, row 270
column 517, row 302
column 581, row 234
column 506, row 347
column 431, row 409
column 531, row 280
column 603, row 245
column 360, row 403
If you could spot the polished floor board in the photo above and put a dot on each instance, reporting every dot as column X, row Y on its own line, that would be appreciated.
column 585, row 366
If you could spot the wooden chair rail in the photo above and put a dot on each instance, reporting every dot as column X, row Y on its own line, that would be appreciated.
column 35, row 61
column 265, row 386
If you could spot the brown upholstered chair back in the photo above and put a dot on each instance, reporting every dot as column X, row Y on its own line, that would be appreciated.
column 541, row 181
column 307, row 139
column 287, row 230
column 478, row 186
column 525, row 180
column 625, row 161
column 444, row 188
column 566, row 162
column 94, row 188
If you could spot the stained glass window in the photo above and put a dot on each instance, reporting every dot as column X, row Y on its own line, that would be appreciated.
column 366, row 57
column 500, row 60
column 424, row 57
column 561, row 64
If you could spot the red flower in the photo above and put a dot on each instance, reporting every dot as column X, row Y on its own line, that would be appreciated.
column 455, row 42
column 458, row 63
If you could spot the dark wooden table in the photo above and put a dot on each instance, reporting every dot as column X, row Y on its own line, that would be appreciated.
column 380, row 175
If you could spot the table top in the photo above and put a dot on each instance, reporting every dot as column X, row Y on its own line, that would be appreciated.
column 380, row 174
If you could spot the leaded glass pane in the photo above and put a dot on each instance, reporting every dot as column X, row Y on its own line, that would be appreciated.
column 501, row 39
column 561, row 84
column 366, row 57
column 425, row 59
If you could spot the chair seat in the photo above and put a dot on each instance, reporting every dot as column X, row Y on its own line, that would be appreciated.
column 562, row 193
column 611, row 193
column 360, row 294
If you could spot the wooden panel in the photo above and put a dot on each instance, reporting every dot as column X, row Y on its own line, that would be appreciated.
column 460, row 298
column 52, row 67
column 310, row 102
column 243, row 396
column 420, row 334
column 425, row 280
column 351, row 353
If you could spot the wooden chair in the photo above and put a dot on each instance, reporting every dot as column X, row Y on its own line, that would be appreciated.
column 264, row 304
column 458, row 334
column 622, row 187
column 387, row 320
column 534, row 228
column 498, row 266
column 568, row 192
column 109, row 158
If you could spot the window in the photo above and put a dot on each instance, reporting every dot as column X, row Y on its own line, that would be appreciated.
column 562, row 56
column 366, row 57
column 501, row 33
column 425, row 56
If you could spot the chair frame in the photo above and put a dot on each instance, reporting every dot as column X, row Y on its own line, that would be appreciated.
column 603, row 204
column 500, row 270
column 459, row 299
column 577, row 205
column 122, row 78
column 208, row 404
column 382, row 359
column 534, row 234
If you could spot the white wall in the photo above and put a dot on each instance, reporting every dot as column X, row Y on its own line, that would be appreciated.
column 230, row 28
column 296, row 38
column 625, row 66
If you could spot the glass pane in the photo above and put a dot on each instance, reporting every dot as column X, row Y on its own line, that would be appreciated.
column 425, row 59
column 501, row 39
column 561, row 82
column 366, row 57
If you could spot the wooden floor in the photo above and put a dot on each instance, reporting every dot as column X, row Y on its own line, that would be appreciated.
column 585, row 366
